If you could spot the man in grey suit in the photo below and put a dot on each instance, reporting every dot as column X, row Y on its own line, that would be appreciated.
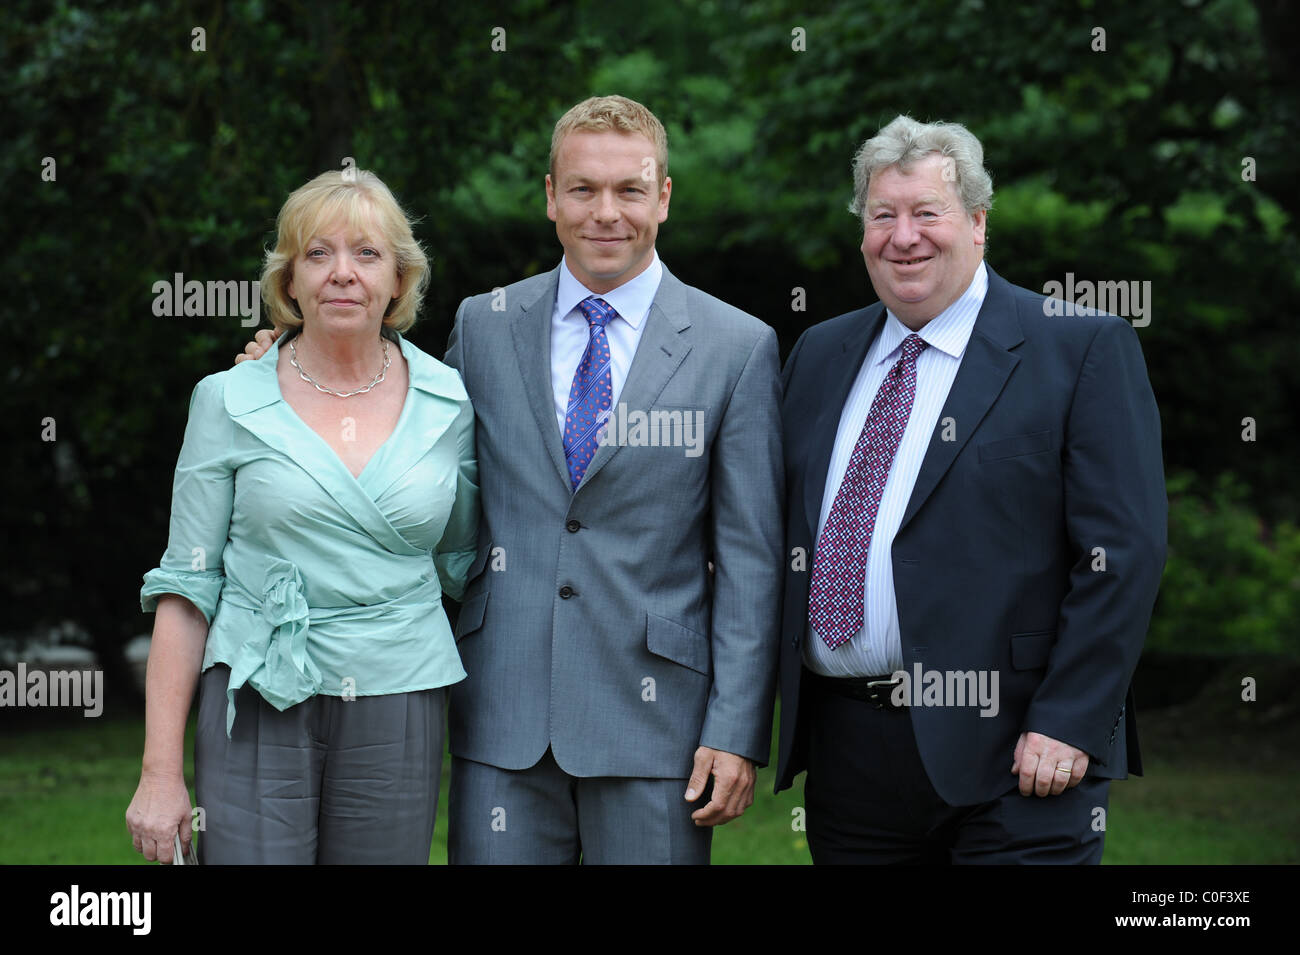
column 620, row 625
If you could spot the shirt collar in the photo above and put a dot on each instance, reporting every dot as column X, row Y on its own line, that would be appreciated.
column 949, row 331
column 631, row 299
column 254, row 384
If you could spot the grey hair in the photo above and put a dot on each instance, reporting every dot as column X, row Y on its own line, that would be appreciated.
column 904, row 141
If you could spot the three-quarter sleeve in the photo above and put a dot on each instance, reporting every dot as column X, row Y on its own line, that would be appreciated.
column 202, row 497
column 455, row 551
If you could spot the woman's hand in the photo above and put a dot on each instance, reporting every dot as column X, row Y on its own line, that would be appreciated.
column 160, row 809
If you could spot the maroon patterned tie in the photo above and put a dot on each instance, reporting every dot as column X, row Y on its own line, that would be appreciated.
column 840, row 561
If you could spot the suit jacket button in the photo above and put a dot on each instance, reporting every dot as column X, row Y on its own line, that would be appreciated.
column 566, row 592
column 573, row 526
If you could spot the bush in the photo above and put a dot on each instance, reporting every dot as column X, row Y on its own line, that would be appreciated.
column 1231, row 584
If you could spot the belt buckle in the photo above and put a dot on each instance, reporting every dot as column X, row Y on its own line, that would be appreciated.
column 874, row 693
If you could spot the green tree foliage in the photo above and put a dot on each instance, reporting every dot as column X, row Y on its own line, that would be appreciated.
column 1113, row 165
column 173, row 159
column 1117, row 164
column 1230, row 582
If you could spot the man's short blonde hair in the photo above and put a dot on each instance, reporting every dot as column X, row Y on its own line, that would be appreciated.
column 359, row 199
column 617, row 113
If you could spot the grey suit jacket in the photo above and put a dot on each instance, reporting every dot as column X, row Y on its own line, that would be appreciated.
column 591, row 623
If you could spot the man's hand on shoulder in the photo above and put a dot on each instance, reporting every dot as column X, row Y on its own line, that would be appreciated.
column 260, row 344
column 1047, row 766
column 733, row 786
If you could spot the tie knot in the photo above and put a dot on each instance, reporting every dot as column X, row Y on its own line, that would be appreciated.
column 913, row 345
column 596, row 310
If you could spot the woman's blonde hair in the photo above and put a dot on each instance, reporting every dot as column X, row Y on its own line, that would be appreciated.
column 361, row 200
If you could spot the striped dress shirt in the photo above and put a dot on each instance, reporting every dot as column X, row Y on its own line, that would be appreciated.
column 876, row 649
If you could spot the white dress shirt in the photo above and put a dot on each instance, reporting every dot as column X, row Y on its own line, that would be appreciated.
column 570, row 330
column 875, row 649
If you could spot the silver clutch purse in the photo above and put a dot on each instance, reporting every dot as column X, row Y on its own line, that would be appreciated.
column 183, row 858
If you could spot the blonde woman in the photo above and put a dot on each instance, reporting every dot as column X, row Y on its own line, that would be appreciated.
column 325, row 499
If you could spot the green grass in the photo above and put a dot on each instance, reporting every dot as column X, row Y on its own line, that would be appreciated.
column 764, row 835
column 1197, row 815
column 1218, row 790
column 64, row 791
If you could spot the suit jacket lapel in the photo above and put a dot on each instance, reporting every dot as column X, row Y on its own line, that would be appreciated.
column 531, row 333
column 985, row 367
column 664, row 344
column 843, row 371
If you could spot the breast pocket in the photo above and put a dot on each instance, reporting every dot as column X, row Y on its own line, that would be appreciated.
column 676, row 430
column 1035, row 442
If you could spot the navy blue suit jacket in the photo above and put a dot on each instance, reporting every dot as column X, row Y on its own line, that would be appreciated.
column 1056, row 452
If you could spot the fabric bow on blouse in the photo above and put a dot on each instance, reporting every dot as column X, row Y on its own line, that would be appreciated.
column 314, row 581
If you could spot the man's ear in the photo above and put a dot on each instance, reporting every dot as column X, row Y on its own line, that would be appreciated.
column 665, row 192
column 551, row 211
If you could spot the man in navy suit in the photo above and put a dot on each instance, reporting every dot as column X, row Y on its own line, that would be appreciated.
column 976, row 526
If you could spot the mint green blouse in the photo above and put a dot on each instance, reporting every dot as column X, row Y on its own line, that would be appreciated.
column 313, row 581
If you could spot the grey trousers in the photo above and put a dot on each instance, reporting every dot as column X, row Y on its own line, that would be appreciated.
column 544, row 816
column 328, row 781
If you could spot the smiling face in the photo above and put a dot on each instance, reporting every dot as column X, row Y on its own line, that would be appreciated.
column 606, row 203
column 344, row 279
column 920, row 246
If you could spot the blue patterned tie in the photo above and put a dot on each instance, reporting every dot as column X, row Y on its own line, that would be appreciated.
column 589, row 397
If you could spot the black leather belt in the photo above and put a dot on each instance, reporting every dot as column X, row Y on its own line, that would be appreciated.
column 876, row 690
